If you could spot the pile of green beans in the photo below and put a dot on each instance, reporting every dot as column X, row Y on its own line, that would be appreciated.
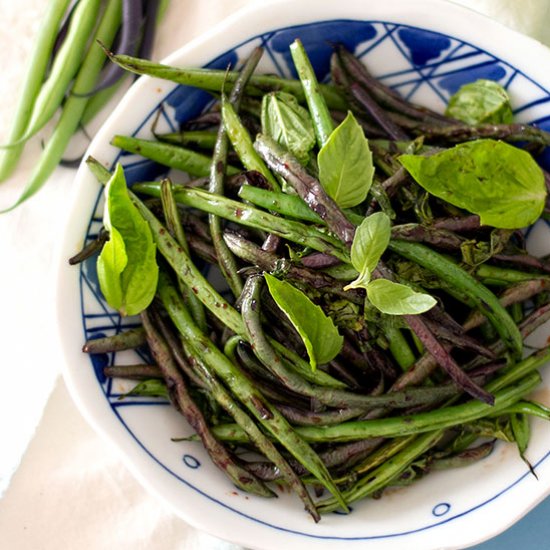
column 396, row 402
column 68, row 73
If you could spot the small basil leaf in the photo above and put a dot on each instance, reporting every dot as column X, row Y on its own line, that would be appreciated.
column 288, row 123
column 369, row 243
column 127, row 267
column 482, row 101
column 396, row 299
column 499, row 182
column 345, row 164
column 318, row 332
column 110, row 265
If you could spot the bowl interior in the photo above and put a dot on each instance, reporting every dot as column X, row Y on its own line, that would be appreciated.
column 426, row 67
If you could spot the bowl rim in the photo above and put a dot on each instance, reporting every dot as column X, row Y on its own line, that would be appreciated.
column 272, row 15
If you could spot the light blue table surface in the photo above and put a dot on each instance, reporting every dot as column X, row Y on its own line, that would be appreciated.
column 530, row 533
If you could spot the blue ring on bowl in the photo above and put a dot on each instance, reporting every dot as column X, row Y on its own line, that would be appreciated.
column 426, row 53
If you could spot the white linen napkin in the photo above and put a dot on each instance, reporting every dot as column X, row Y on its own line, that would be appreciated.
column 71, row 490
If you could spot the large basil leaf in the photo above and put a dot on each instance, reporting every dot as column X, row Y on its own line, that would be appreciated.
column 397, row 299
column 288, row 123
column 499, row 182
column 482, row 101
column 345, row 164
column 369, row 243
column 127, row 267
column 318, row 332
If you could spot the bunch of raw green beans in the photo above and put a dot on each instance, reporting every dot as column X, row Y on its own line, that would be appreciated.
column 349, row 363
column 68, row 73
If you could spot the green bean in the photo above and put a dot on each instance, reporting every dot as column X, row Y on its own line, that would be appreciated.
column 216, row 80
column 133, row 372
column 334, row 397
column 98, row 101
column 91, row 249
column 32, row 83
column 243, row 214
column 399, row 347
column 126, row 339
column 190, row 274
column 186, row 269
column 517, row 371
column 464, row 458
column 308, row 188
column 267, row 261
column 64, row 67
column 74, row 105
column 334, row 456
column 203, row 139
column 191, row 162
column 290, row 206
column 519, row 423
column 528, row 408
column 484, row 299
column 179, row 393
column 387, row 472
column 244, row 389
column 395, row 426
column 322, row 120
column 505, row 275
column 175, row 227
column 242, row 143
column 390, row 448
column 226, row 260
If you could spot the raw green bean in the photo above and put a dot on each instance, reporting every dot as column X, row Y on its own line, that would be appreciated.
column 322, row 120
column 64, row 67
column 74, row 105
column 32, row 83
column 191, row 162
column 98, row 101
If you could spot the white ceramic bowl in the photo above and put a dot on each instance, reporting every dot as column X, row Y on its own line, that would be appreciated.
column 425, row 49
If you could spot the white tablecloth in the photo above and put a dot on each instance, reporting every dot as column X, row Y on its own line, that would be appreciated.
column 61, row 486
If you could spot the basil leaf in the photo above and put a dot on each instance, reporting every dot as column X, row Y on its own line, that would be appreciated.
column 345, row 164
column 499, row 182
column 319, row 334
column 369, row 243
column 288, row 123
column 482, row 101
column 127, row 267
column 396, row 299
